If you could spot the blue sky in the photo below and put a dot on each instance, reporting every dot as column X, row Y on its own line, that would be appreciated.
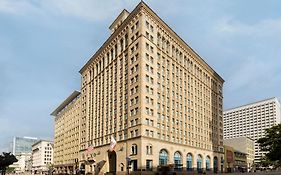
column 44, row 43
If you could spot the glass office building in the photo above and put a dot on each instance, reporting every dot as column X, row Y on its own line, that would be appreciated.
column 23, row 145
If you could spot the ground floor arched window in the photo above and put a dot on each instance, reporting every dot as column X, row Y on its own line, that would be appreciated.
column 177, row 160
column 199, row 163
column 208, row 163
column 189, row 162
column 163, row 157
column 215, row 164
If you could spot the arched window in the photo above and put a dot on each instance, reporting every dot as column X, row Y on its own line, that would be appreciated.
column 149, row 149
column 199, row 163
column 121, row 44
column 208, row 160
column 163, row 157
column 215, row 164
column 177, row 160
column 134, row 149
column 189, row 161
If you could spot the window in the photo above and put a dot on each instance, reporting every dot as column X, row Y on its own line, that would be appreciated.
column 149, row 165
column 177, row 160
column 147, row 132
column 147, row 121
column 151, row 28
column 147, row 78
column 147, row 35
column 199, row 163
column 147, row 46
column 189, row 162
column 147, row 100
column 215, row 164
column 151, row 49
column 147, row 24
column 163, row 157
column 134, row 149
column 147, row 111
column 147, row 67
column 151, row 38
column 208, row 163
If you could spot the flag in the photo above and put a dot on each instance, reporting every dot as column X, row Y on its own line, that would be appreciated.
column 112, row 144
column 89, row 150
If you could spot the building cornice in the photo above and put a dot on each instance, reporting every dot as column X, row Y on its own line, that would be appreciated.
column 182, row 42
column 40, row 141
column 112, row 37
column 140, row 6
column 117, row 19
column 65, row 102
column 251, row 104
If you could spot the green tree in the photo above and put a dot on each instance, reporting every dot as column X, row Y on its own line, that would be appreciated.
column 5, row 160
column 50, row 168
column 272, row 144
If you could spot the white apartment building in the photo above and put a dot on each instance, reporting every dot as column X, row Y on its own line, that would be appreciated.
column 42, row 156
column 251, row 120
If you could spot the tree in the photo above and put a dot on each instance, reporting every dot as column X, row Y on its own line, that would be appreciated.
column 271, row 143
column 50, row 168
column 5, row 160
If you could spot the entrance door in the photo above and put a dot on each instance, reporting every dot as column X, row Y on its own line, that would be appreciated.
column 112, row 161
column 134, row 165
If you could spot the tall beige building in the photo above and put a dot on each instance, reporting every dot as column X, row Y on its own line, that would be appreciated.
column 155, row 95
column 66, row 138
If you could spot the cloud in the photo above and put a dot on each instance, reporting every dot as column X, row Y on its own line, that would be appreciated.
column 263, row 28
column 252, row 73
column 92, row 10
column 17, row 7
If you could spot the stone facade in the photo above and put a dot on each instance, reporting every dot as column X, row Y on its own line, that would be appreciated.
column 66, row 135
column 155, row 95
column 42, row 156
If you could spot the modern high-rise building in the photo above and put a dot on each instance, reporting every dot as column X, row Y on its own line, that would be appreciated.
column 23, row 145
column 251, row 120
column 152, row 93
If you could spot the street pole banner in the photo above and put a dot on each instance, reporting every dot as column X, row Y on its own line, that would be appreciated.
column 89, row 150
column 112, row 144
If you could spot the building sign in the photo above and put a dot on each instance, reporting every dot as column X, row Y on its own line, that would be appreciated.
column 229, row 156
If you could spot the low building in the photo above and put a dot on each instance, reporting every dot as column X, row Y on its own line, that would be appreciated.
column 245, row 145
column 20, row 165
column 42, row 156
column 235, row 161
column 251, row 120
column 28, row 165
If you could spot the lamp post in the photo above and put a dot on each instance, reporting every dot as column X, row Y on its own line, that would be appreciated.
column 128, row 160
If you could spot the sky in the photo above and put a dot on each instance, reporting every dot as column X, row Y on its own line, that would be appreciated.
column 44, row 43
